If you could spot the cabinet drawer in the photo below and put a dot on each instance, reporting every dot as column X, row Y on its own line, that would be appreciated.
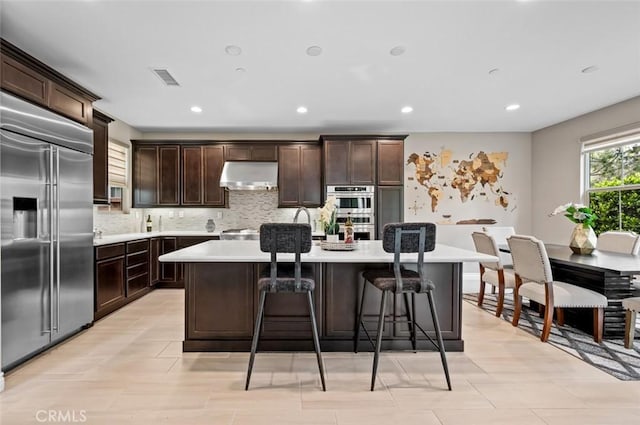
column 138, row 269
column 108, row 251
column 137, row 246
column 137, row 284
column 139, row 258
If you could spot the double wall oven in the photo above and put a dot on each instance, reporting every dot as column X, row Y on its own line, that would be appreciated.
column 357, row 201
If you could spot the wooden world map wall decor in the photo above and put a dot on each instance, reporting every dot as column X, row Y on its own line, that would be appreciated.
column 445, row 183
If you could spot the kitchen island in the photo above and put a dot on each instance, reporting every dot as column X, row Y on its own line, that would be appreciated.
column 221, row 297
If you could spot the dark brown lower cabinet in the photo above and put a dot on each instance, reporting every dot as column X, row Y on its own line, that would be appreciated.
column 155, row 250
column 171, row 275
column 137, row 267
column 121, row 275
column 109, row 285
column 168, row 271
column 340, row 316
column 223, row 310
column 341, row 297
column 286, row 316
column 222, row 298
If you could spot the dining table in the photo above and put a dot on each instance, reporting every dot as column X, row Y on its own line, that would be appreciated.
column 608, row 273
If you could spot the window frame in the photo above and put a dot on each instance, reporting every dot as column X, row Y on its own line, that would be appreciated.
column 124, row 204
column 624, row 136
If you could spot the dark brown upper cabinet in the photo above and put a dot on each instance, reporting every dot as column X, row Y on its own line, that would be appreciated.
column 169, row 175
column 156, row 175
column 299, row 175
column 201, row 170
column 70, row 104
column 349, row 161
column 28, row 78
column 24, row 81
column 100, row 157
column 390, row 162
column 241, row 151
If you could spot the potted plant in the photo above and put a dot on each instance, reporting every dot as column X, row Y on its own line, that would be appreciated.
column 583, row 238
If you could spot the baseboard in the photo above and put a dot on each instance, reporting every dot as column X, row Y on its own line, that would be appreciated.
column 1, row 382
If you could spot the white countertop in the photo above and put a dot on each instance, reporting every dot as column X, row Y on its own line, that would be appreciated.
column 366, row 252
column 126, row 237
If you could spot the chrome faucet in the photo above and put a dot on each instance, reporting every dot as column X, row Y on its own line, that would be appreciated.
column 295, row 217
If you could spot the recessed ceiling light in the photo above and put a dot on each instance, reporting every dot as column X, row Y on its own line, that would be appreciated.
column 397, row 51
column 494, row 71
column 590, row 69
column 512, row 107
column 241, row 70
column 233, row 50
column 314, row 51
column 196, row 109
column 406, row 109
column 302, row 110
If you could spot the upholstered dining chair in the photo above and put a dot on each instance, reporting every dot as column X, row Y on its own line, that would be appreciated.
column 621, row 242
column 492, row 273
column 285, row 278
column 403, row 238
column 632, row 307
column 531, row 265
column 500, row 234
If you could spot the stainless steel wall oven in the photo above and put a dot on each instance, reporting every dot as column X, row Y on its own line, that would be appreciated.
column 359, row 202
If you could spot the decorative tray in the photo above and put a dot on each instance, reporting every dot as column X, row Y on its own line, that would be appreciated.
column 337, row 246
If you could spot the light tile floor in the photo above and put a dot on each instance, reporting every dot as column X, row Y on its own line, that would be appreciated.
column 129, row 369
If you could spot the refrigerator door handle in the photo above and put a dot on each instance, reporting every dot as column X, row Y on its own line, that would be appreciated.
column 57, row 263
column 51, row 238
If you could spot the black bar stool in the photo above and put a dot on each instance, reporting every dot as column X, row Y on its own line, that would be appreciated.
column 285, row 278
column 403, row 238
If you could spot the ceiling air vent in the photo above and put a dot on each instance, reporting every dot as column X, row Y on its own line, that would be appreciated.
column 165, row 76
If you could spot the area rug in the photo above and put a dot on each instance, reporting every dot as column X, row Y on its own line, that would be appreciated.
column 609, row 356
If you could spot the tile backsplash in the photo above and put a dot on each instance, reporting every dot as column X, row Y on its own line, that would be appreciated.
column 246, row 209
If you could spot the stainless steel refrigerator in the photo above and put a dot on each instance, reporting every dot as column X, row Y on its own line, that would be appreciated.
column 46, row 211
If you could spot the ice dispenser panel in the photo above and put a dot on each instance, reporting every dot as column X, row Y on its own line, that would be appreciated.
column 25, row 218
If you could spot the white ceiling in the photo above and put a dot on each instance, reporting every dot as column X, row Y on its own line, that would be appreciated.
column 539, row 47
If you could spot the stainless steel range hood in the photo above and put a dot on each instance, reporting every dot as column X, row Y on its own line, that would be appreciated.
column 247, row 175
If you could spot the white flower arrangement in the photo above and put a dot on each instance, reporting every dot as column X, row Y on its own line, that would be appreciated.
column 577, row 213
column 327, row 216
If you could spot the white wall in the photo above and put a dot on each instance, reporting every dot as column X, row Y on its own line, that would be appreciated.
column 122, row 132
column 556, row 165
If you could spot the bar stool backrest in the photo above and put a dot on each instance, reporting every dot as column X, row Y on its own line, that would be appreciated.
column 292, row 238
column 409, row 238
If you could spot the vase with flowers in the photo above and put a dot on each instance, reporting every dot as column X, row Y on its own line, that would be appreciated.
column 583, row 238
column 328, row 221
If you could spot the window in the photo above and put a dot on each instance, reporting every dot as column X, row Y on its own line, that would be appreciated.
column 118, row 166
column 612, row 180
